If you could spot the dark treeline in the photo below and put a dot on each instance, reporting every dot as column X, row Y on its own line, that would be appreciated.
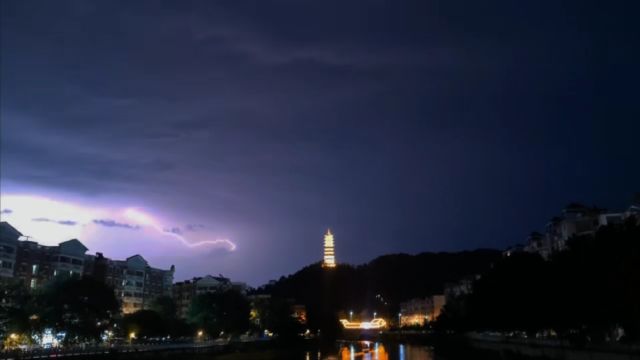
column 87, row 310
column 590, row 291
column 379, row 285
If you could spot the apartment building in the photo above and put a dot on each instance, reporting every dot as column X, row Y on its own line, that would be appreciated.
column 135, row 282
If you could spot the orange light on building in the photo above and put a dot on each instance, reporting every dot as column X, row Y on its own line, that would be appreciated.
column 377, row 323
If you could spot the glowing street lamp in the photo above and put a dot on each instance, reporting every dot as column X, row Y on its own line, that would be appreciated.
column 200, row 333
column 399, row 320
column 374, row 314
column 350, row 315
column 132, row 335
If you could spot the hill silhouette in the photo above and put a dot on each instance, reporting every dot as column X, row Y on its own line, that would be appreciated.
column 379, row 285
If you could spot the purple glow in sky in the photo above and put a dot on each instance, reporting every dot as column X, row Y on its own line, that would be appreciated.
column 116, row 232
column 227, row 136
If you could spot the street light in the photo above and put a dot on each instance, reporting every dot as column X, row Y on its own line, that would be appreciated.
column 374, row 314
column 200, row 333
column 350, row 315
column 132, row 335
column 399, row 320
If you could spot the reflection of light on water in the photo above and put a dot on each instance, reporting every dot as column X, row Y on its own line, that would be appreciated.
column 401, row 352
column 364, row 351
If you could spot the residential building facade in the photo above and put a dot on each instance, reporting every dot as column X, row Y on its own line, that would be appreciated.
column 34, row 264
column 575, row 220
column 420, row 311
column 184, row 292
column 135, row 282
column 8, row 249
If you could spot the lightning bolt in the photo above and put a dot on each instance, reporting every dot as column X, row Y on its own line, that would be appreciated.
column 147, row 220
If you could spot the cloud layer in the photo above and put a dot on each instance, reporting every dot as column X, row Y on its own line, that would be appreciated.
column 113, row 223
column 60, row 222
column 405, row 126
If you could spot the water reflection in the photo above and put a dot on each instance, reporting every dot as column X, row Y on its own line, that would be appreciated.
column 366, row 350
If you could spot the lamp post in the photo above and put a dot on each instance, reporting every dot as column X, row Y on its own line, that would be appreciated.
column 350, row 315
column 374, row 315
column 132, row 335
column 399, row 320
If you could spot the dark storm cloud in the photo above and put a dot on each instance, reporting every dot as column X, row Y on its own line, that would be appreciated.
column 409, row 126
column 113, row 223
column 59, row 222
column 188, row 227
column 174, row 230
column 67, row 222
column 194, row 227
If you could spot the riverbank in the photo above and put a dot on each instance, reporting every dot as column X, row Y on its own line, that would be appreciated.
column 448, row 347
column 143, row 351
column 553, row 348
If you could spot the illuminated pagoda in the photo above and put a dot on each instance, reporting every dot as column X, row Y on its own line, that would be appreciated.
column 329, row 251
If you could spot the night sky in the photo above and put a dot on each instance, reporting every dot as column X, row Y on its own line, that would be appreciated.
column 226, row 137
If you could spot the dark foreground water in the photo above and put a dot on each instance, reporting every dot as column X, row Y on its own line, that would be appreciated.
column 341, row 351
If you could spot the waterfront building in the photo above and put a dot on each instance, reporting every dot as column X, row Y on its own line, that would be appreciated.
column 34, row 264
column 575, row 220
column 135, row 282
column 259, row 308
column 329, row 251
column 8, row 248
column 37, row 264
column 183, row 292
column 299, row 312
column 437, row 304
column 415, row 312
column 420, row 311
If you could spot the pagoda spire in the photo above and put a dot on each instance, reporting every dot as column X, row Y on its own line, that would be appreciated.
column 329, row 251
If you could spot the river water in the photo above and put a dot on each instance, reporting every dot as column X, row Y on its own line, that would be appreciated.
column 361, row 350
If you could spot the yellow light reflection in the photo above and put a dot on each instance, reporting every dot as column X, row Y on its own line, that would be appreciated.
column 364, row 351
